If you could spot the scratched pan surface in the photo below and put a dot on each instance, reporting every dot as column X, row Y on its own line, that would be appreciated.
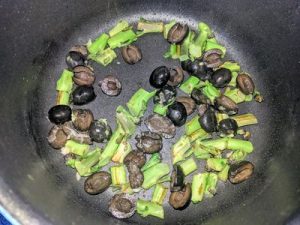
column 37, row 188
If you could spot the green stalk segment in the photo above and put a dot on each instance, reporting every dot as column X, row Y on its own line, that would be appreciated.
column 147, row 26
column 65, row 82
column 147, row 208
column 121, row 39
column 180, row 149
column 154, row 174
column 198, row 187
column 84, row 166
column 121, row 25
column 245, row 119
column 76, row 148
column 118, row 175
column 211, row 185
column 98, row 45
column 188, row 166
column 191, row 83
column 154, row 160
column 159, row 194
column 105, row 57
column 216, row 164
column 122, row 151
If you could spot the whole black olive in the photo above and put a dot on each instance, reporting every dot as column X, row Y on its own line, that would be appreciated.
column 177, row 113
column 228, row 126
column 136, row 177
column 131, row 54
column 97, row 183
column 149, row 142
column 161, row 125
column 177, row 33
column 199, row 97
column 60, row 114
column 110, row 85
column 159, row 77
column 208, row 121
column 212, row 58
column 198, row 69
column 225, row 104
column 75, row 58
column 135, row 157
column 122, row 206
column 245, row 84
column 177, row 179
column 100, row 131
column 83, row 75
column 83, row 95
column 176, row 77
column 165, row 95
column 82, row 119
column 188, row 103
column 221, row 77
column 240, row 172
column 57, row 138
column 181, row 199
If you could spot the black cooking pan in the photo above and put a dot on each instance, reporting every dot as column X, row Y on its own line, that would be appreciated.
column 35, row 185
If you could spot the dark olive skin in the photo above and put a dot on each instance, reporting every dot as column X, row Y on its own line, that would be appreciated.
column 149, row 142
column 135, row 157
column 208, row 121
column 110, row 85
column 221, row 78
column 159, row 77
column 177, row 179
column 161, row 125
column 212, row 58
column 74, row 58
column 136, row 177
column 177, row 113
column 201, row 109
column 83, row 75
column 228, row 126
column 188, row 103
column 165, row 95
column 240, row 172
column 245, row 83
column 185, row 65
column 81, row 49
column 199, row 97
column 83, row 95
column 82, row 119
column 131, row 54
column 97, row 183
column 176, row 77
column 60, row 114
column 177, row 33
column 100, row 131
column 74, row 134
column 122, row 206
column 225, row 104
column 57, row 138
column 180, row 199
column 197, row 68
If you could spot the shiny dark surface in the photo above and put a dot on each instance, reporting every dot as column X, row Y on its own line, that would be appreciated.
column 263, row 36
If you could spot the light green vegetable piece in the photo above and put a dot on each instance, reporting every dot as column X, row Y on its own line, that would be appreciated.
column 121, row 25
column 216, row 164
column 180, row 150
column 198, row 187
column 84, row 166
column 65, row 82
column 154, row 174
column 98, row 45
column 147, row 208
column 211, row 185
column 105, row 57
column 159, row 194
column 191, row 83
column 188, row 166
column 75, row 148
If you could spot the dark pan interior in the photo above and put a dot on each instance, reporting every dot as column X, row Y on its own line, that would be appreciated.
column 36, row 186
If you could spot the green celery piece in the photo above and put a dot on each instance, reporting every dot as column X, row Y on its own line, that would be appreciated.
column 76, row 148
column 147, row 208
column 167, row 28
column 248, row 98
column 198, row 187
column 173, row 52
column 210, row 91
column 105, row 57
column 221, row 116
column 220, row 143
column 121, row 39
column 65, row 82
column 160, row 109
column 84, row 166
column 159, row 194
column 126, row 120
column 192, row 125
column 201, row 153
column 122, row 151
column 245, row 119
column 154, row 173
column 118, row 175
column 63, row 98
column 98, row 45
column 213, row 45
column 198, row 134
column 211, row 185
column 232, row 66
column 204, row 27
column 199, row 149
column 191, row 83
column 71, row 163
column 180, row 149
column 237, row 144
column 184, row 50
column 223, row 174
column 154, row 160
column 150, row 26
column 216, row 164
column 137, row 105
column 237, row 156
column 166, row 178
column 232, row 82
column 237, row 96
column 188, row 166
column 121, row 25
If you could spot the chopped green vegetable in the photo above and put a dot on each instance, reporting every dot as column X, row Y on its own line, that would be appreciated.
column 149, row 26
column 75, row 148
column 230, row 143
column 63, row 98
column 188, row 166
column 98, row 45
column 118, row 175
column 123, row 149
column 210, row 91
column 154, row 173
column 121, row 39
column 173, row 52
column 211, row 44
column 191, row 83
column 159, row 194
column 245, row 119
column 126, row 121
column 223, row 174
column 84, row 166
column 221, row 116
column 232, row 66
column 211, row 185
column 237, row 156
column 71, row 163
column 237, row 96
column 192, row 125
column 65, row 82
column 198, row 187
column 168, row 27
column 198, row 134
column 232, row 83
column 121, row 25
column 180, row 149
column 216, row 164
column 184, row 49
column 147, row 208
column 160, row 109
column 154, row 160
column 203, row 152
column 105, row 57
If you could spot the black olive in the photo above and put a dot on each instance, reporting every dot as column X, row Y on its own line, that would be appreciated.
column 165, row 95
column 122, row 206
column 199, row 97
column 149, row 142
column 177, row 179
column 177, row 113
column 75, row 58
column 221, row 77
column 225, row 104
column 131, row 54
column 181, row 199
column 228, row 126
column 100, row 131
column 136, row 177
column 82, row 119
column 57, row 138
column 110, row 85
column 83, row 75
column 186, row 65
column 202, row 109
column 161, row 125
column 240, row 172
column 245, row 84
column 74, row 134
column 208, row 121
column 136, row 157
column 83, row 95
column 212, row 58
column 176, row 77
column 97, row 183
column 188, row 103
column 60, row 114
column 81, row 49
column 159, row 77
column 198, row 69
column 177, row 33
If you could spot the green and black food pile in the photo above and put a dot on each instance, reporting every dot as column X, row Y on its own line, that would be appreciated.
column 215, row 134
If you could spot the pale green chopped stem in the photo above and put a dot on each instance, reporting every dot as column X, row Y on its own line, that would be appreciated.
column 213, row 45
column 84, row 166
column 191, row 83
column 122, row 151
column 105, row 57
column 198, row 187
column 192, row 125
column 126, row 121
column 245, row 119
column 147, row 208
column 63, row 98
column 154, row 160
column 118, row 175
column 121, row 25
column 65, row 82
column 210, row 91
column 154, row 173
column 98, row 45
column 121, row 39
column 184, row 50
column 180, row 149
column 150, row 26
column 188, row 166
column 216, row 164
column 232, row 66
column 76, row 148
column 211, row 185
column 199, row 134
column 159, row 194
column 223, row 174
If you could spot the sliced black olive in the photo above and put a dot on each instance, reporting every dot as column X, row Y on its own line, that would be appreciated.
column 202, row 109
column 97, row 183
column 225, row 104
column 76, row 57
column 161, row 125
column 159, row 77
column 228, row 126
column 131, row 54
column 245, row 83
column 100, row 131
column 177, row 33
column 177, row 179
column 135, row 157
column 188, row 103
column 83, row 95
column 177, row 113
column 240, row 172
column 176, row 77
column 136, row 177
column 122, row 206
column 82, row 119
column 198, row 69
column 208, row 121
column 83, row 75
column 212, row 58
column 60, row 114
column 181, row 199
column 57, row 138
column 110, row 85
column 149, row 142
column 221, row 77
column 74, row 134
column 165, row 95
column 199, row 97
column 81, row 49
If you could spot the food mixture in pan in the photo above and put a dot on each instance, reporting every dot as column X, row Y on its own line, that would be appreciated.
column 203, row 95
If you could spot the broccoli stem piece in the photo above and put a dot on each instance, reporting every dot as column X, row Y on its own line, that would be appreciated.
column 191, row 83
column 154, row 160
column 98, row 45
column 245, row 119
column 237, row 96
column 204, row 152
column 63, row 98
column 211, row 185
column 216, row 164
column 232, row 66
column 123, row 149
column 121, row 39
column 147, row 208
column 159, row 194
column 192, row 125
column 184, row 50
column 223, row 174
column 105, row 57
column 210, row 91
column 121, row 25
column 118, row 175
column 173, row 52
column 237, row 156
column 154, row 174
column 75, row 148
column 230, row 143
column 180, row 149
column 199, row 134
column 126, row 121
column 160, row 109
column 168, row 27
column 65, row 82
column 137, row 105
column 198, row 187
column 71, row 163
column 84, row 166
column 232, row 83
column 150, row 26
column 188, row 166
